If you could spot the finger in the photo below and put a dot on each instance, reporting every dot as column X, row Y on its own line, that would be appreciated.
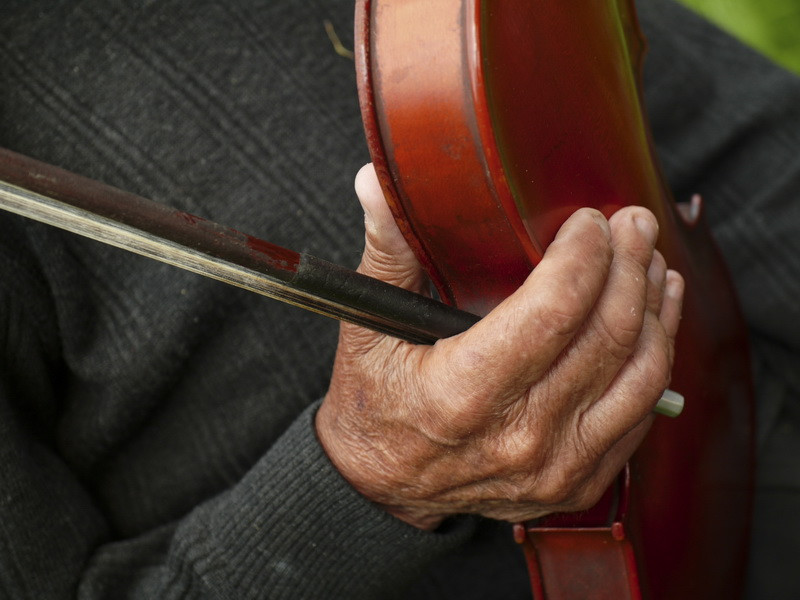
column 387, row 256
column 644, row 377
column 571, row 482
column 517, row 342
column 636, row 389
column 585, row 493
column 657, row 279
column 613, row 329
column 670, row 315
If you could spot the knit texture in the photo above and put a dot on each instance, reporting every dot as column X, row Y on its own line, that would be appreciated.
column 156, row 428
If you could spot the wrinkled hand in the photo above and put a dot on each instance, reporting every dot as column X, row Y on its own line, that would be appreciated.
column 534, row 409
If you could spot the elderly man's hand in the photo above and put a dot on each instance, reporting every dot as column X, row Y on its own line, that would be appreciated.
column 534, row 409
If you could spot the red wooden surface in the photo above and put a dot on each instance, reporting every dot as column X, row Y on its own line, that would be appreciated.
column 489, row 123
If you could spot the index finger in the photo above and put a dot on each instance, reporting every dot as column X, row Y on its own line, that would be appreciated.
column 519, row 340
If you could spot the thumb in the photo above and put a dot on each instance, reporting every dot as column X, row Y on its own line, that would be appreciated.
column 387, row 256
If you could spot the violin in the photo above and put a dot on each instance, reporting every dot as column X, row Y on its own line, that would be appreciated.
column 490, row 122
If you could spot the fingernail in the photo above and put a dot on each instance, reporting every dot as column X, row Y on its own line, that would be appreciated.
column 675, row 285
column 602, row 222
column 648, row 227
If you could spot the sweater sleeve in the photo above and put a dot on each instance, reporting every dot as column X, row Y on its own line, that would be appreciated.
column 291, row 528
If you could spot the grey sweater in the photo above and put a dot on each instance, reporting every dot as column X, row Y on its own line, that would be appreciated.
column 156, row 428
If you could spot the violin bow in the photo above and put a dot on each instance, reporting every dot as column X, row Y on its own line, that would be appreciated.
column 56, row 197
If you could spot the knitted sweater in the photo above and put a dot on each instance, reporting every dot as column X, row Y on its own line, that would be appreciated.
column 156, row 428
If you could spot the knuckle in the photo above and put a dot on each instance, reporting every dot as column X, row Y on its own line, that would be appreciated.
column 527, row 448
column 559, row 315
column 521, row 465
column 452, row 418
column 386, row 266
column 621, row 331
column 587, row 450
column 574, row 490
column 568, row 482
column 656, row 364
column 560, row 496
column 568, row 289
column 660, row 370
column 558, row 490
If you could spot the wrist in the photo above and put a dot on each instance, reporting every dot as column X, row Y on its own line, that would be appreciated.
column 356, row 466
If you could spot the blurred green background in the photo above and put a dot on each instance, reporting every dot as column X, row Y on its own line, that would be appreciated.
column 772, row 26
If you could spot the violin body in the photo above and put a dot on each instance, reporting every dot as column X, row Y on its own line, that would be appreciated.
column 489, row 123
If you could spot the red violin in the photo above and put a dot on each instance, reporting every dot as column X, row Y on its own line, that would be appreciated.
column 489, row 123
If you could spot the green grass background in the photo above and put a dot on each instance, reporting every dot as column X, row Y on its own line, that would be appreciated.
column 772, row 26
